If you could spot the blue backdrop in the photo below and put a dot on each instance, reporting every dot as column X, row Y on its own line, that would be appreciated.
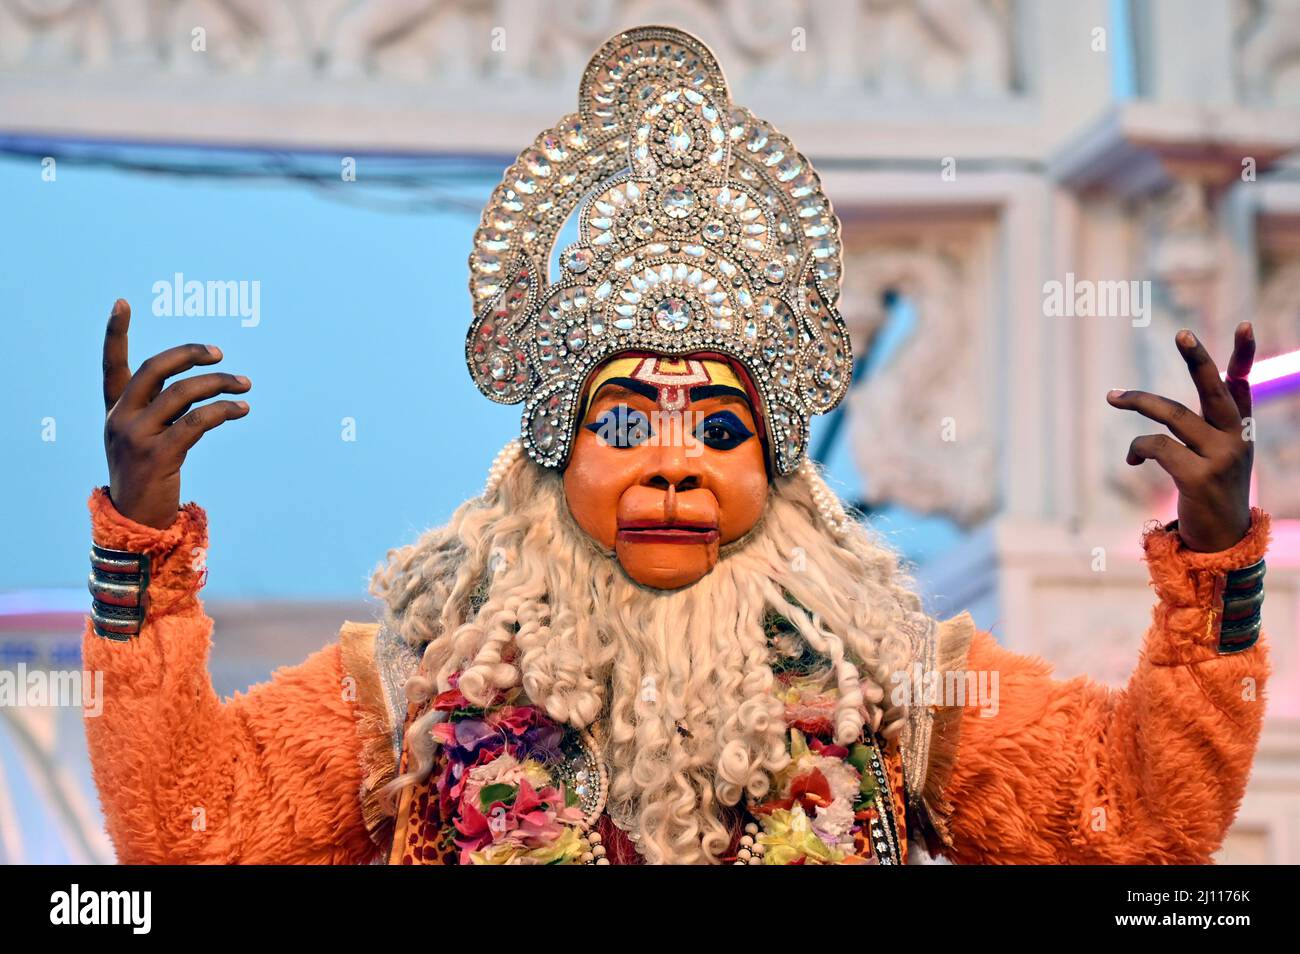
column 362, row 315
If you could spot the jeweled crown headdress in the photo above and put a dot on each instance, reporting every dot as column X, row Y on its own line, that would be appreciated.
column 701, row 228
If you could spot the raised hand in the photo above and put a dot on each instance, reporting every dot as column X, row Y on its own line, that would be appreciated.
column 1211, row 467
column 149, row 429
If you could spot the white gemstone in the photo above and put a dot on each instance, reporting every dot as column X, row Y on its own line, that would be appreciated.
column 537, row 163
column 673, row 314
column 578, row 260
column 679, row 137
column 677, row 201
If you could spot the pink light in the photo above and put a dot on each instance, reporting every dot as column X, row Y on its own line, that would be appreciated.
column 1272, row 375
column 1278, row 366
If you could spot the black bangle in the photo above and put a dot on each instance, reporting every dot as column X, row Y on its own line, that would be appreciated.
column 119, row 583
column 1243, row 600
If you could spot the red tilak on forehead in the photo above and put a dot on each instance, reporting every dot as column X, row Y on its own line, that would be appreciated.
column 674, row 378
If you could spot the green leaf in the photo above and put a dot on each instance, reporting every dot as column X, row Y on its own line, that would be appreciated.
column 868, row 787
column 868, row 793
column 859, row 757
column 498, row 792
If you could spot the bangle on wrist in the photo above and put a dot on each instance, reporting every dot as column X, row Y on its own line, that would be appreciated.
column 1243, row 600
column 119, row 581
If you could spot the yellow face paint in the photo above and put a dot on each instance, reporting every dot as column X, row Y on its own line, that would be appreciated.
column 673, row 378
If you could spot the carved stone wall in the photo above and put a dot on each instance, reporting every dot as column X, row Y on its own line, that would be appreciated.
column 472, row 74
column 1266, row 49
column 925, row 422
column 889, row 47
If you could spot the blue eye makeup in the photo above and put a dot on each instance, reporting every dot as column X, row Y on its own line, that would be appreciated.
column 621, row 426
column 722, row 430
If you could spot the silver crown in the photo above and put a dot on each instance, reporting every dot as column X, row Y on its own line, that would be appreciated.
column 701, row 228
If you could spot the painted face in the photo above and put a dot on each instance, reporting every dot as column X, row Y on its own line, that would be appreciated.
column 667, row 466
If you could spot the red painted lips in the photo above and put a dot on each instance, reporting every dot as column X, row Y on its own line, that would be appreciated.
column 650, row 532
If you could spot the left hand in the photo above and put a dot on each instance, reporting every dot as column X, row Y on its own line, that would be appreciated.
column 1211, row 467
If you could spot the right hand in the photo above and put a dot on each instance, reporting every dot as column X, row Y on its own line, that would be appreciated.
column 148, row 430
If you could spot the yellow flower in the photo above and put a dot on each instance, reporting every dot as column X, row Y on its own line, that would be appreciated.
column 788, row 837
column 563, row 850
column 536, row 773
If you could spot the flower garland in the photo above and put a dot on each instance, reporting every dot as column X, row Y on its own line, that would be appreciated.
column 513, row 792
column 826, row 806
column 498, row 784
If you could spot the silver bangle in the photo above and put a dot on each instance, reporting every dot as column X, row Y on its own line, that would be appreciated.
column 118, row 583
column 1243, row 600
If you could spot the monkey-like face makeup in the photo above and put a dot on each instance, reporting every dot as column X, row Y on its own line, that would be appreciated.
column 668, row 465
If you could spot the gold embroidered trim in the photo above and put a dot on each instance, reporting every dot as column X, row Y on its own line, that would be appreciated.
column 952, row 647
column 914, row 742
column 378, row 764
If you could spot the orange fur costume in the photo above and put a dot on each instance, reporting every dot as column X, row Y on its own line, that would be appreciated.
column 1065, row 772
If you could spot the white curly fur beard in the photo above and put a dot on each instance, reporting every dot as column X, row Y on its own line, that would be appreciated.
column 676, row 684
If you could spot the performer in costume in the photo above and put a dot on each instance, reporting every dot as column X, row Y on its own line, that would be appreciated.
column 657, row 636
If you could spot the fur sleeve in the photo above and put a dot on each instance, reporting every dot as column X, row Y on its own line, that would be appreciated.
column 1075, row 772
column 183, row 777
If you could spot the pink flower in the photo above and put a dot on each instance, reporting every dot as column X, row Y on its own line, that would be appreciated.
column 498, row 804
